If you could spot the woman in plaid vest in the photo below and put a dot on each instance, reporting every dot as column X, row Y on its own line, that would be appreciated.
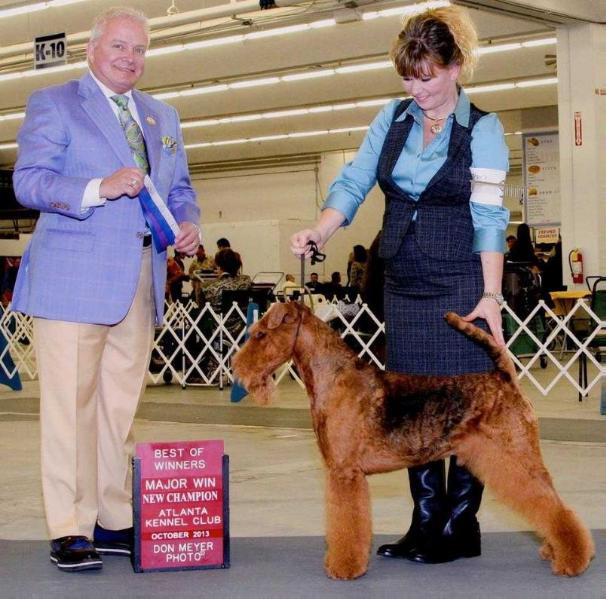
column 441, row 163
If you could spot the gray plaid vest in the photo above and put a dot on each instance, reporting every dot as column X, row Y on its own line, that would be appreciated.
column 443, row 225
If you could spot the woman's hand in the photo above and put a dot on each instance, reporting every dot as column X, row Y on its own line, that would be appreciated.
column 329, row 222
column 300, row 240
column 490, row 311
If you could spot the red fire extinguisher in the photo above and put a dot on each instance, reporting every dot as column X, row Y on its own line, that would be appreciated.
column 575, row 259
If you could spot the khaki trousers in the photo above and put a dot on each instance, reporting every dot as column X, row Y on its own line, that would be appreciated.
column 91, row 380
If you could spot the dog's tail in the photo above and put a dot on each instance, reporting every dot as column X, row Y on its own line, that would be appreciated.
column 498, row 353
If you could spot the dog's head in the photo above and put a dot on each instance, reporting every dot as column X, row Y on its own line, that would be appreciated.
column 270, row 344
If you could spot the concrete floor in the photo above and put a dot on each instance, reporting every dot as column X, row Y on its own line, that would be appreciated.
column 276, row 482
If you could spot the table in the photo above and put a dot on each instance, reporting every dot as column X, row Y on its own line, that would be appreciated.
column 565, row 300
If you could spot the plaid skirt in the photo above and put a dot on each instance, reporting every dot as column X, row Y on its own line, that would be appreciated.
column 419, row 290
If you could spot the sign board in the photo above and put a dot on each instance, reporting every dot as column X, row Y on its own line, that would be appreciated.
column 50, row 50
column 546, row 234
column 181, row 506
column 541, row 162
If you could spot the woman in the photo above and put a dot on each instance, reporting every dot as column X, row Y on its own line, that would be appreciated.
column 523, row 250
column 228, row 264
column 357, row 268
column 442, row 243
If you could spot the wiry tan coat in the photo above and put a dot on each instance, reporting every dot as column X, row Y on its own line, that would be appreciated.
column 368, row 421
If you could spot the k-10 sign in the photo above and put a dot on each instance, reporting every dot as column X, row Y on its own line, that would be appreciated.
column 181, row 506
column 50, row 50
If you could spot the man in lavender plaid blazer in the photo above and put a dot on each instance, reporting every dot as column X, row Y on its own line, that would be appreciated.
column 94, row 282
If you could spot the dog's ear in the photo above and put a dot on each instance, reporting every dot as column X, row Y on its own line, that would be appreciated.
column 279, row 313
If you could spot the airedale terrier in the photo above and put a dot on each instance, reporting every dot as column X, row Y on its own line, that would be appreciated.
column 368, row 421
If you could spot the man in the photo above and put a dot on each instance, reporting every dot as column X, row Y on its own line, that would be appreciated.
column 314, row 281
column 223, row 244
column 93, row 280
column 200, row 262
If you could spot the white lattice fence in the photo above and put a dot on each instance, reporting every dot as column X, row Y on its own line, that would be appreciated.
column 194, row 346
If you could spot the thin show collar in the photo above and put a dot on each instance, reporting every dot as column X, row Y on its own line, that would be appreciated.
column 461, row 111
column 294, row 343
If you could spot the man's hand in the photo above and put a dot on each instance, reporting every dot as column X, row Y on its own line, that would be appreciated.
column 188, row 239
column 126, row 181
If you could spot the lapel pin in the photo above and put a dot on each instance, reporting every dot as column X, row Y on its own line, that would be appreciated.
column 150, row 120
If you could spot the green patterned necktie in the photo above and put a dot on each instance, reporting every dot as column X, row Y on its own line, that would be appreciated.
column 133, row 133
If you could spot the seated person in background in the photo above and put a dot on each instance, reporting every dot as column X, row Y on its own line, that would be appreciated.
column 175, row 275
column 552, row 271
column 523, row 250
column 228, row 264
column 314, row 282
column 201, row 262
column 358, row 267
column 334, row 288
column 289, row 285
column 510, row 240
column 223, row 244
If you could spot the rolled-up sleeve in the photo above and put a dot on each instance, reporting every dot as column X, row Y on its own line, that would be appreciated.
column 490, row 163
column 358, row 177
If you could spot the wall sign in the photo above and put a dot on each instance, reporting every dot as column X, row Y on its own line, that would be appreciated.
column 546, row 234
column 541, row 162
column 50, row 50
column 181, row 506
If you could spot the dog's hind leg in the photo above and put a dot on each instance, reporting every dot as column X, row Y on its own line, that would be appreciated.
column 516, row 474
column 348, row 524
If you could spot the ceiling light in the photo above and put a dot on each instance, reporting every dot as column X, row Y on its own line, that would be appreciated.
column 11, row 116
column 348, row 129
column 537, row 82
column 495, row 87
column 491, row 49
column 404, row 10
column 369, row 66
column 263, row 138
column 347, row 106
column 508, row 47
column 547, row 41
column 276, row 114
column 254, row 82
column 309, row 75
column 30, row 8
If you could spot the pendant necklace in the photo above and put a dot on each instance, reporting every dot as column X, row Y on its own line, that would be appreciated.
column 436, row 123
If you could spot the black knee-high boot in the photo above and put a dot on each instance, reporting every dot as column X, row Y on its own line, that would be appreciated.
column 464, row 495
column 423, row 542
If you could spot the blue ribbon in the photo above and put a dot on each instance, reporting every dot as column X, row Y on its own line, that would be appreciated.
column 162, row 234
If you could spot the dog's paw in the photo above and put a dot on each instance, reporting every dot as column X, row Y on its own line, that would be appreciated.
column 571, row 566
column 546, row 551
column 344, row 567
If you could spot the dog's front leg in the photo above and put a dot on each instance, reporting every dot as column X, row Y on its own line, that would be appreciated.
column 348, row 524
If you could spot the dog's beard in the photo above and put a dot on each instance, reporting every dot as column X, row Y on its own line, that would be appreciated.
column 262, row 390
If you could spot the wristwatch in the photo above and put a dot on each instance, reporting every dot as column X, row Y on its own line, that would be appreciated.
column 497, row 297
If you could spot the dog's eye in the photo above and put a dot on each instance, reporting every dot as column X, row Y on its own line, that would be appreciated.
column 259, row 335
